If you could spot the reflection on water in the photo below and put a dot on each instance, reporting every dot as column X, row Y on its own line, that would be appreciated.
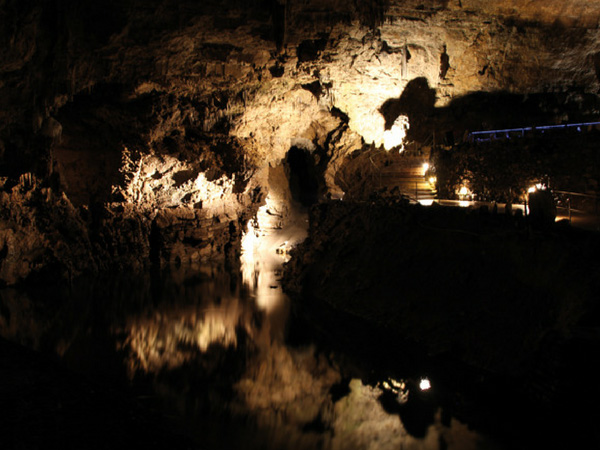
column 167, row 338
column 203, row 343
column 265, row 246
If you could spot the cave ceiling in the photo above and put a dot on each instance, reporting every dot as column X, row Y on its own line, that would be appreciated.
column 247, row 66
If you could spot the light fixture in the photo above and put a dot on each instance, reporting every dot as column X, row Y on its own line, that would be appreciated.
column 537, row 187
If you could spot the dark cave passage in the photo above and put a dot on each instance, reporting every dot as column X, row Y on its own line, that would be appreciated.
column 304, row 184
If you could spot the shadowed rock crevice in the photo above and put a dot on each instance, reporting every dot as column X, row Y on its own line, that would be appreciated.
column 304, row 184
column 309, row 50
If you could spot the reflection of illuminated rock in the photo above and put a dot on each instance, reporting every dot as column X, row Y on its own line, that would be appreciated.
column 361, row 420
column 171, row 337
column 265, row 247
column 286, row 390
column 21, row 319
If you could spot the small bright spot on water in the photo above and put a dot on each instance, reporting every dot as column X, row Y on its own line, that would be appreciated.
column 424, row 384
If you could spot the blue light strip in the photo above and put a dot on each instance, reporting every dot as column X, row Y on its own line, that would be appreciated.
column 505, row 133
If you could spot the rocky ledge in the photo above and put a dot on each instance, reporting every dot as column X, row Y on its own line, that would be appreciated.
column 484, row 289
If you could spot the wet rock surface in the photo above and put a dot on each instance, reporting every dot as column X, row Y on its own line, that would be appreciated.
column 41, row 235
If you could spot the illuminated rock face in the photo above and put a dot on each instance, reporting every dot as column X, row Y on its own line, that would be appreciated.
column 208, row 95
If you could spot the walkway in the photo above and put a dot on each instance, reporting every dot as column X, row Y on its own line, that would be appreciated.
column 410, row 177
column 511, row 133
column 579, row 219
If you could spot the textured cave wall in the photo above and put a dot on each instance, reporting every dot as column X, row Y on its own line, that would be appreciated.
column 158, row 120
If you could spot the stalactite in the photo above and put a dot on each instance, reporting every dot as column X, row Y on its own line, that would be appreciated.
column 279, row 18
column 371, row 13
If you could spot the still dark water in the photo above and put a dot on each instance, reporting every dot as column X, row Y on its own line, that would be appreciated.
column 221, row 360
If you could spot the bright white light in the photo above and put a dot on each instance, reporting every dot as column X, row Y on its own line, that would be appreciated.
column 265, row 246
column 537, row 187
column 432, row 180
column 394, row 136
column 425, row 167
column 463, row 191
column 248, row 257
column 398, row 384
column 463, row 203
column 424, row 384
column 427, row 202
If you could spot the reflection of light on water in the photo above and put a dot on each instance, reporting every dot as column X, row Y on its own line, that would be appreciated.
column 398, row 388
column 265, row 247
column 250, row 243
column 394, row 386
column 464, row 203
column 360, row 421
column 427, row 202
column 287, row 389
column 171, row 336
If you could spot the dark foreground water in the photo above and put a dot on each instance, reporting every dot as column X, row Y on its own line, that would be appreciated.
column 215, row 356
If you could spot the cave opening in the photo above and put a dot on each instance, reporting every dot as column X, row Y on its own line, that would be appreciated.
column 304, row 184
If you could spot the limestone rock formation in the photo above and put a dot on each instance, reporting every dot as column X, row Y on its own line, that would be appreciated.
column 207, row 95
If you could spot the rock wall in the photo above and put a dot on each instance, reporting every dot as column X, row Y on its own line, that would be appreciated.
column 480, row 288
column 41, row 234
column 210, row 94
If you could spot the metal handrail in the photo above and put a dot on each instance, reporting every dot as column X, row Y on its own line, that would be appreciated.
column 569, row 206
column 594, row 196
column 492, row 134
